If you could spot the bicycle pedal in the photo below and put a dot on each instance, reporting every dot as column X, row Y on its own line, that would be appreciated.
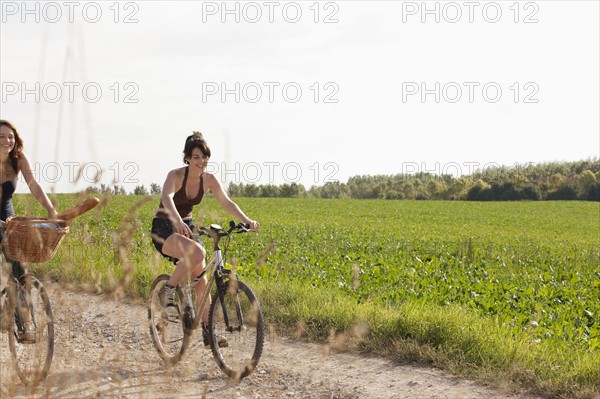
column 27, row 341
column 221, row 343
column 26, row 337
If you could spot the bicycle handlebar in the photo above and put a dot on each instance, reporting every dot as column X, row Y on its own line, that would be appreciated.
column 216, row 231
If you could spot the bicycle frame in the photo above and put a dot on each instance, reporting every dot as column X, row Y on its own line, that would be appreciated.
column 213, row 267
column 13, row 289
column 216, row 271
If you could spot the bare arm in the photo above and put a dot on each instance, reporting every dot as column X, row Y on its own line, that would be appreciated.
column 34, row 186
column 228, row 205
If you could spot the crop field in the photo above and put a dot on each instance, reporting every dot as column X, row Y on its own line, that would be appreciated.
column 508, row 289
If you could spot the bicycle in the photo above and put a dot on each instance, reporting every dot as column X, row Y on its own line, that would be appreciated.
column 26, row 314
column 25, row 308
column 234, row 313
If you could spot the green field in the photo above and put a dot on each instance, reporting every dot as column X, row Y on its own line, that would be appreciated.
column 499, row 291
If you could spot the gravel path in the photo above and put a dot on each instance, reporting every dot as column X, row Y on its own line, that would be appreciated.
column 103, row 350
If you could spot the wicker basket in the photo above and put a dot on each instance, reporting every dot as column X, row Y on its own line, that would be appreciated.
column 33, row 240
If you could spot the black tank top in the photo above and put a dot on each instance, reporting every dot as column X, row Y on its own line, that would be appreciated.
column 183, row 204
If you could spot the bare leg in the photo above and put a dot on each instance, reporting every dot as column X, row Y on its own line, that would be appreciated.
column 180, row 273
column 190, row 254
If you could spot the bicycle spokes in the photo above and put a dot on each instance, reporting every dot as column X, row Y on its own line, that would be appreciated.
column 170, row 333
column 235, row 316
column 31, row 337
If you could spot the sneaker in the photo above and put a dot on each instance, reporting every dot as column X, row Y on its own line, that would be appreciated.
column 25, row 329
column 28, row 335
column 165, row 297
column 221, row 341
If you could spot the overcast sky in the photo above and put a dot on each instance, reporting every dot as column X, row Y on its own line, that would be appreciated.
column 305, row 92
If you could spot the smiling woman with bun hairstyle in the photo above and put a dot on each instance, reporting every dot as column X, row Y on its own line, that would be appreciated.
column 172, row 226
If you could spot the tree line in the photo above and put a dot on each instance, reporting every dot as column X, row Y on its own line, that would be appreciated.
column 120, row 190
column 549, row 181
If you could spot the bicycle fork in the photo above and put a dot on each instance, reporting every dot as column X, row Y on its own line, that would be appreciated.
column 24, row 315
column 223, row 286
column 221, row 291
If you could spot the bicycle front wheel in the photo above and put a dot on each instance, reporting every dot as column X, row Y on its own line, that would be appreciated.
column 31, row 335
column 236, row 316
column 170, row 336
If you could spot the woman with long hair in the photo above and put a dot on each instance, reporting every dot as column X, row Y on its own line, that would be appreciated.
column 12, row 162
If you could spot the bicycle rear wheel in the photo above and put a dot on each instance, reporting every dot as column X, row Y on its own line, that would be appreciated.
column 170, row 337
column 31, row 335
column 236, row 316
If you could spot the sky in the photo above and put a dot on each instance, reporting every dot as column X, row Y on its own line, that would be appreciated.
column 297, row 92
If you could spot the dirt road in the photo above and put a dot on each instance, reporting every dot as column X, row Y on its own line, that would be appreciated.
column 103, row 350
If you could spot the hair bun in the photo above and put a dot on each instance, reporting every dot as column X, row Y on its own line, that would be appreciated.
column 197, row 136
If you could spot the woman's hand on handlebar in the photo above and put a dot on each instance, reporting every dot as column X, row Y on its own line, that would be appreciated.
column 252, row 224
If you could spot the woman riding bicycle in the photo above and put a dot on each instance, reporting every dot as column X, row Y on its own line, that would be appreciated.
column 173, row 224
column 12, row 161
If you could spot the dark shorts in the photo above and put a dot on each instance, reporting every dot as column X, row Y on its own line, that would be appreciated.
column 162, row 228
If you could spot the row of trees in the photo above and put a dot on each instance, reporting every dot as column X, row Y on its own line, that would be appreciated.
column 549, row 181
column 120, row 190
